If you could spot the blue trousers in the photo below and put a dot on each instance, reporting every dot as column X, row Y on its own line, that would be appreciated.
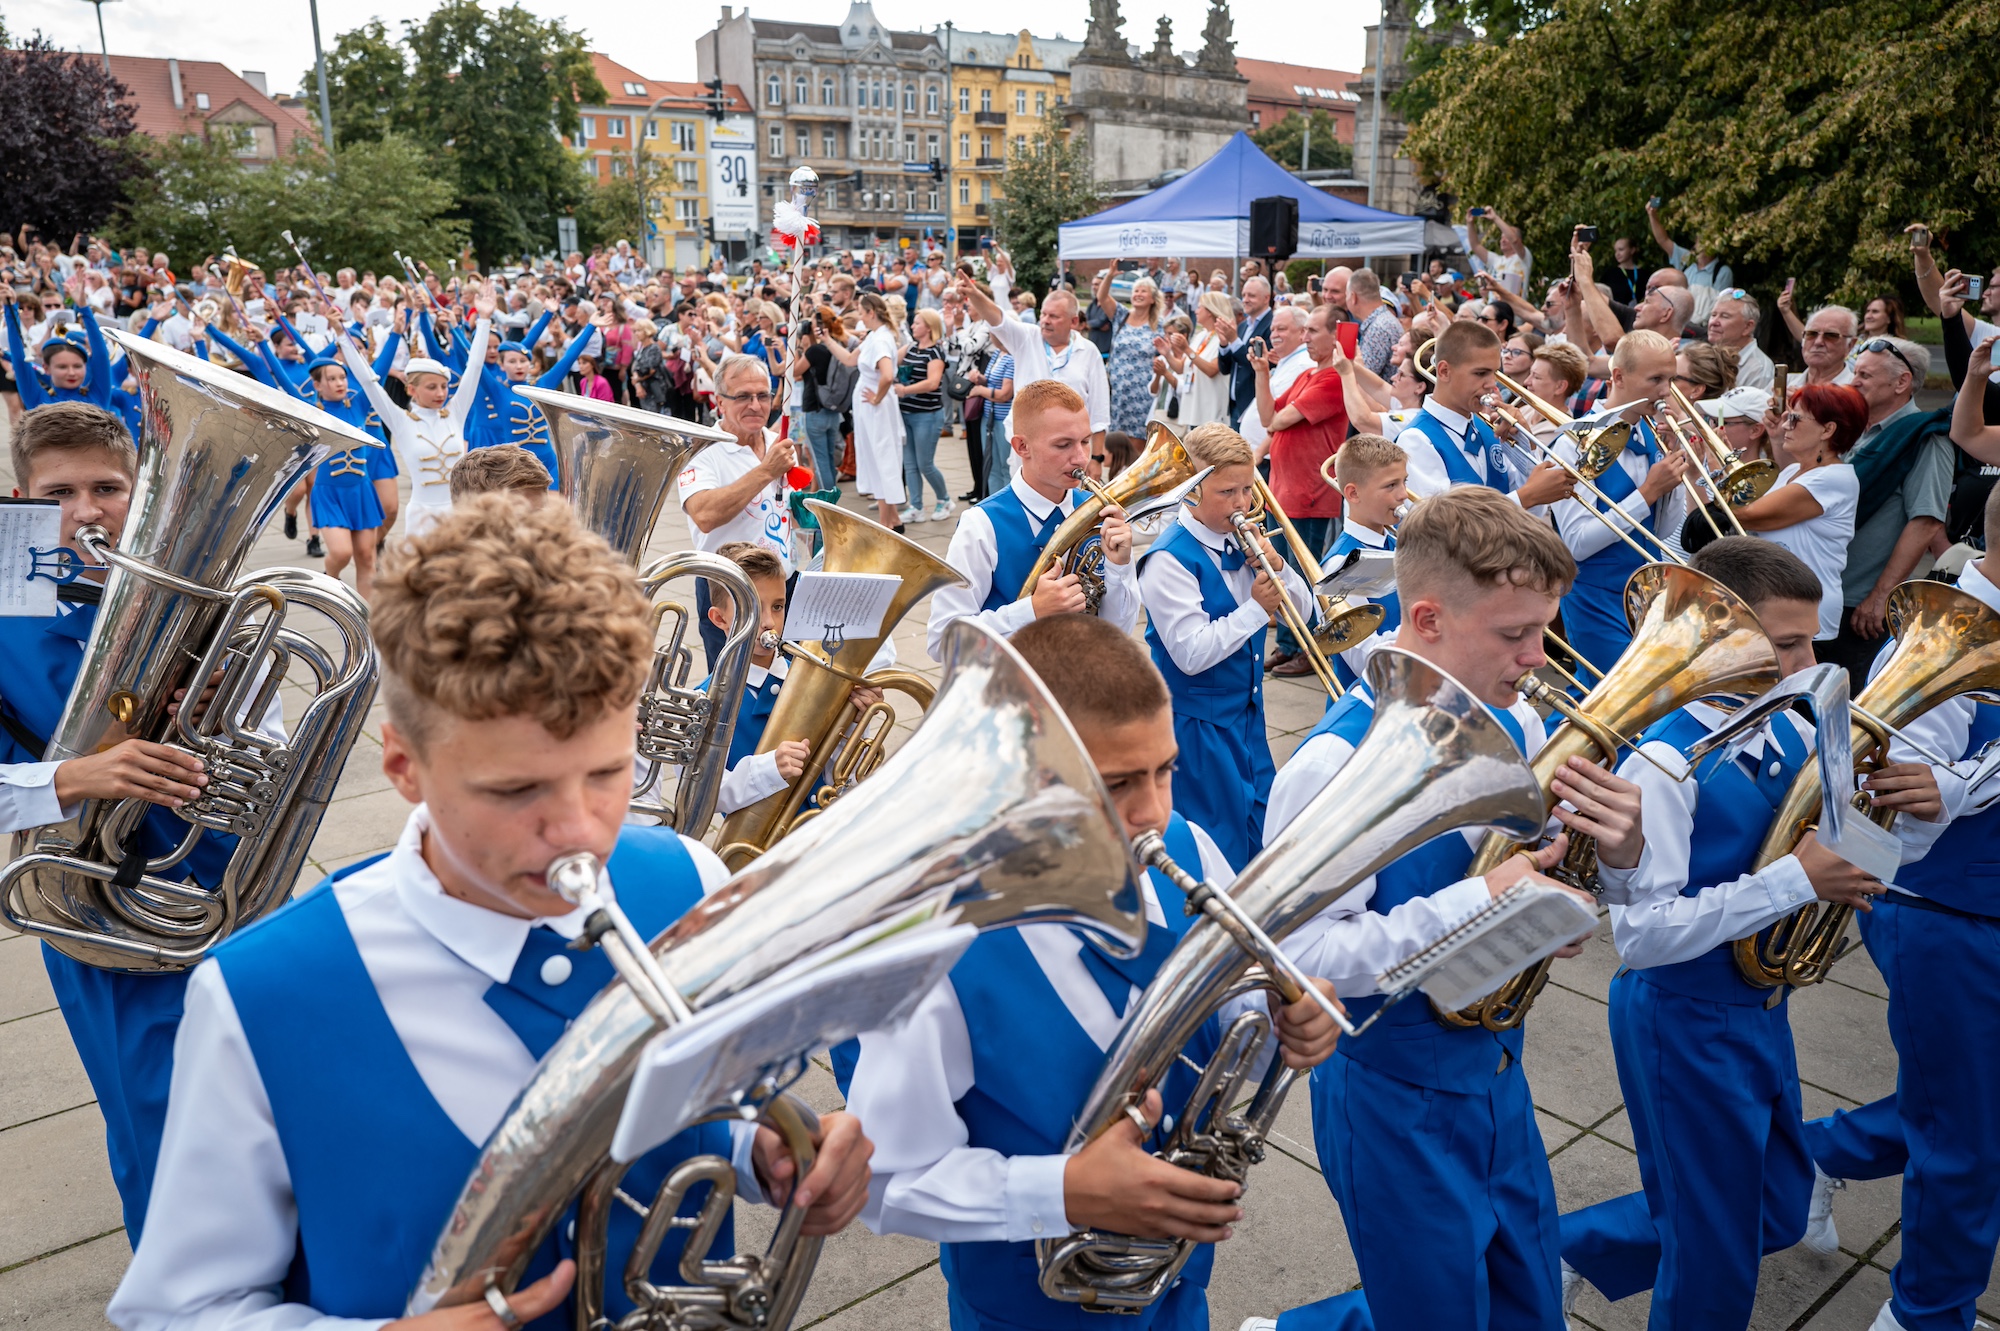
column 123, row 1027
column 999, row 471
column 822, row 431
column 1446, row 1197
column 920, row 440
column 1342, row 1312
column 1712, row 1092
column 1182, row 1308
column 1941, row 1130
column 1594, row 624
column 1224, row 780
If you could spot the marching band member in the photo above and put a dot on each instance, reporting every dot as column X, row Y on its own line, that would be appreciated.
column 521, row 421
column 345, row 506
column 503, row 467
column 973, row 1097
column 1208, row 604
column 342, row 1062
column 1426, row 1134
column 1645, row 484
column 1705, row 1059
column 1937, row 944
column 430, row 435
column 1447, row 441
column 998, row 540
column 123, row 1024
column 1373, row 475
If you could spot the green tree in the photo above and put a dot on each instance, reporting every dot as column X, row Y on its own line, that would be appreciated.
column 367, row 82
column 1795, row 139
column 610, row 212
column 1285, row 144
column 1046, row 183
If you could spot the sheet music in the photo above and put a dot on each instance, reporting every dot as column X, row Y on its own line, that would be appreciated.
column 689, row 1072
column 852, row 603
column 1363, row 573
column 1524, row 924
column 27, row 525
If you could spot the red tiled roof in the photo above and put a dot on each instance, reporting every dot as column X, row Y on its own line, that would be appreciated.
column 150, row 91
column 1275, row 81
column 615, row 77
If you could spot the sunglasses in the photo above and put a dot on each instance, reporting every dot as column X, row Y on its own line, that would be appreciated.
column 1733, row 293
column 1884, row 345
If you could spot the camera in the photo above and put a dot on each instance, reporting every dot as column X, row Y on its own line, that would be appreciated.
column 1920, row 238
column 1654, row 202
column 1586, row 235
column 1258, row 347
column 1313, row 284
column 1475, row 212
column 1975, row 286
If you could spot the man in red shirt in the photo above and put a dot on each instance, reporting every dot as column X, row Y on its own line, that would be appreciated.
column 1307, row 424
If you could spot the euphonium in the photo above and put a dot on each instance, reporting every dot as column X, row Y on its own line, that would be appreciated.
column 1074, row 546
column 616, row 465
column 1692, row 638
column 1947, row 644
column 991, row 814
column 217, row 454
column 1434, row 759
column 813, row 703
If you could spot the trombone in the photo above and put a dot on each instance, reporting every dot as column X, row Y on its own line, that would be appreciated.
column 1741, row 481
column 1250, row 534
column 1341, row 623
column 1694, row 495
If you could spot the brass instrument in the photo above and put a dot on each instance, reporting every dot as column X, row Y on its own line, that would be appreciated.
column 1342, row 624
column 991, row 815
column 1741, row 481
column 1074, row 547
column 1596, row 449
column 1947, row 645
column 218, row 452
column 1692, row 638
column 1695, row 502
column 813, row 704
column 1250, row 535
column 1434, row 759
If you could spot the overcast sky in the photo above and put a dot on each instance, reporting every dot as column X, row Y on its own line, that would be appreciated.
column 655, row 39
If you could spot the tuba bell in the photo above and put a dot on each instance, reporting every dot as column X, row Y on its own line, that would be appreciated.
column 1074, row 546
column 1692, row 638
column 1035, row 839
column 813, row 703
column 217, row 454
column 1434, row 760
column 616, row 465
column 1947, row 644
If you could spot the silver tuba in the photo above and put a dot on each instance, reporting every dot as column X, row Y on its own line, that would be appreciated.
column 1433, row 760
column 217, row 454
column 615, row 465
column 917, row 846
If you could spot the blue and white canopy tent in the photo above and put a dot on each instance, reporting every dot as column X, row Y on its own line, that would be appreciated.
column 1207, row 212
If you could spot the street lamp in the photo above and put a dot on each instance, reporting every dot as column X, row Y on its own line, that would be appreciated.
column 102, row 45
column 319, row 63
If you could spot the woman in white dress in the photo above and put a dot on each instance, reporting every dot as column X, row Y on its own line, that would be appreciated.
column 1205, row 394
column 878, row 420
column 1810, row 508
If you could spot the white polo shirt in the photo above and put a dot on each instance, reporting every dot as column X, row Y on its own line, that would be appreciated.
column 766, row 520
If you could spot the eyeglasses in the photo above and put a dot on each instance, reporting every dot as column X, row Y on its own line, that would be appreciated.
column 1823, row 335
column 1884, row 345
column 745, row 397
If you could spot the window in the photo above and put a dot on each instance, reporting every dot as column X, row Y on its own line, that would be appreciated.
column 1041, row 103
column 777, row 140
column 1021, row 145
column 799, row 90
column 909, row 200
column 618, row 166
column 826, row 92
column 805, row 142
column 652, row 128
column 986, row 190
column 634, row 89
column 934, row 201
column 964, row 147
column 931, row 100
column 201, row 101
column 829, row 143
column 1020, row 101
column 687, row 175
column 931, row 144
column 1256, row 119
column 909, row 147
column 964, row 191
column 614, row 126
column 589, row 129
column 1022, row 61
column 687, row 212
column 909, row 99
column 964, row 100
column 876, row 91
column 577, row 141
column 986, row 99
column 774, row 91
column 985, row 145
column 881, row 148
column 684, row 135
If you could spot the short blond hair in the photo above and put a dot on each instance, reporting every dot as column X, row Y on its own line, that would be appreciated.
column 1216, row 445
column 1567, row 360
column 508, row 609
column 1471, row 539
column 1037, row 400
column 501, row 467
column 1639, row 342
column 1366, row 456
column 934, row 321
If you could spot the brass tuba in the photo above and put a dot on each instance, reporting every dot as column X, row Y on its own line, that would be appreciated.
column 1692, row 638
column 813, row 703
column 616, row 465
column 1947, row 644
column 1161, row 468
column 217, row 454
column 1434, row 760
column 992, row 814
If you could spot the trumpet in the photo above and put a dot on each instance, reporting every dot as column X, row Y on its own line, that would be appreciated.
column 1075, row 547
column 1692, row 638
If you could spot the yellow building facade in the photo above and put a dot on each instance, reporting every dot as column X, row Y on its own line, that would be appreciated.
column 1002, row 85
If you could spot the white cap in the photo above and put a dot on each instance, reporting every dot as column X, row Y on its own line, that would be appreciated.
column 425, row 365
column 1745, row 401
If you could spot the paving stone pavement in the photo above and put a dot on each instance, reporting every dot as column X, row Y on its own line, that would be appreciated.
column 62, row 1249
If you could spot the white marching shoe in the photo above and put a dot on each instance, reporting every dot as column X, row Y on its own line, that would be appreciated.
column 1259, row 1324
column 1821, row 1236
column 1885, row 1321
column 1573, row 1283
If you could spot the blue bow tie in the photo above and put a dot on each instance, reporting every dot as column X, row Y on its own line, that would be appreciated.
column 1230, row 557
column 550, row 986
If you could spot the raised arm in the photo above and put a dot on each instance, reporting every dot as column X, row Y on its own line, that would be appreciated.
column 468, row 382
column 251, row 360
column 556, row 373
column 1659, row 230
column 97, row 381
column 538, row 327
column 385, row 360
column 364, row 374
column 26, row 380
column 1101, row 290
column 1969, row 429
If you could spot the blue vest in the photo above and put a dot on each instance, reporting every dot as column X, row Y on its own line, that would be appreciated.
column 1733, row 810
column 376, row 1165
column 1019, row 543
column 1409, row 1043
column 43, row 657
column 1605, row 573
column 1230, row 692
column 1032, row 1066
column 1391, row 603
column 751, row 716
column 1451, row 448
column 1962, row 870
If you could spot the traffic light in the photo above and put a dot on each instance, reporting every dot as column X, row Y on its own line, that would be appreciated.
column 708, row 230
column 937, row 169
column 718, row 102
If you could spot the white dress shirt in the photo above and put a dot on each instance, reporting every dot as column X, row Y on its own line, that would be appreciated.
column 1347, row 943
column 28, row 797
column 1428, row 475
column 928, row 1181
column 1285, row 372
column 1355, row 658
column 1172, row 597
column 1079, row 365
column 975, row 550
column 222, row 1226
column 1586, row 536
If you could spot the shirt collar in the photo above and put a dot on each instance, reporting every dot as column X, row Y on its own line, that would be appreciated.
column 1211, row 540
column 1458, row 424
column 780, row 664
column 1975, row 583
column 1712, row 718
column 1032, row 500
column 483, row 939
column 1906, row 409
column 1368, row 536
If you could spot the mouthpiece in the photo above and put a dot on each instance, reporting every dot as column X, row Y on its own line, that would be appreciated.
column 574, row 877
column 769, row 640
